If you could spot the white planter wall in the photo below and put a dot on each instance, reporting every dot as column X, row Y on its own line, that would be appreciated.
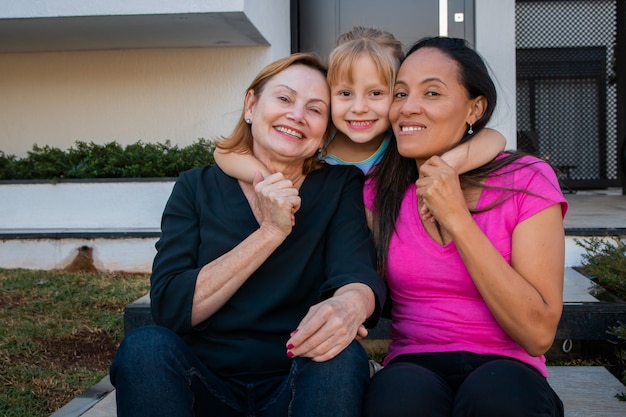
column 83, row 205
column 41, row 210
column 97, row 213
column 110, row 255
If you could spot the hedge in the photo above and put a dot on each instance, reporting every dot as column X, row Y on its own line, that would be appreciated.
column 109, row 160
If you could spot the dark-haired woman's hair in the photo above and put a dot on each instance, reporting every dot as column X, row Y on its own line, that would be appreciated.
column 395, row 173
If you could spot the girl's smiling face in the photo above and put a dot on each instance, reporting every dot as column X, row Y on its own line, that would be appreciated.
column 360, row 106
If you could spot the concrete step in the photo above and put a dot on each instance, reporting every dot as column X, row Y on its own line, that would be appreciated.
column 584, row 316
column 586, row 391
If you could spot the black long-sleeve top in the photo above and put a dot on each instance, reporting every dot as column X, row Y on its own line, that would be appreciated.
column 208, row 214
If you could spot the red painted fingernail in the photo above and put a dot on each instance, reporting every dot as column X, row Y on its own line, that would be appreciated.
column 290, row 354
column 294, row 332
column 290, row 346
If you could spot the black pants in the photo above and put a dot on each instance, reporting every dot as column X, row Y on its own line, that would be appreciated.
column 460, row 384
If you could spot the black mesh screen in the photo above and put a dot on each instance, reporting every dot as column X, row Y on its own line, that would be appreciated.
column 566, row 95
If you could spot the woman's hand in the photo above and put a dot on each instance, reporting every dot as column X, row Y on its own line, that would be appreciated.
column 333, row 324
column 276, row 202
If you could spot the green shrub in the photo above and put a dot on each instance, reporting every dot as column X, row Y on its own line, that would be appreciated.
column 109, row 160
column 620, row 332
column 605, row 260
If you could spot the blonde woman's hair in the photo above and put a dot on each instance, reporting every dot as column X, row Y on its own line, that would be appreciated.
column 241, row 140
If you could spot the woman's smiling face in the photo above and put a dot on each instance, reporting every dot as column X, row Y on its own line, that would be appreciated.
column 431, row 107
column 290, row 116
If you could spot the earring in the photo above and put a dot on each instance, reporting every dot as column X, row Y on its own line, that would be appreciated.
column 470, row 131
column 249, row 121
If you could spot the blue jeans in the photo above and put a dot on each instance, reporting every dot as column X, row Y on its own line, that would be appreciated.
column 155, row 373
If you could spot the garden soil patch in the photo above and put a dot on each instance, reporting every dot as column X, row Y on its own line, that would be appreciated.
column 85, row 349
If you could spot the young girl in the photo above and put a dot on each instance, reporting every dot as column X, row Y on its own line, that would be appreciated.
column 361, row 74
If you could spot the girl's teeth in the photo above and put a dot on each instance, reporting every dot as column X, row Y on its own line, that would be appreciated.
column 360, row 123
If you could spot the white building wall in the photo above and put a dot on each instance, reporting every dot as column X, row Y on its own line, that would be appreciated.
column 495, row 41
column 152, row 95
column 47, row 8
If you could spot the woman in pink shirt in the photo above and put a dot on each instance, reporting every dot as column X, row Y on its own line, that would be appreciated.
column 477, row 289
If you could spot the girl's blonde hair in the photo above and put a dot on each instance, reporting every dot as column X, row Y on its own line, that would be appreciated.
column 381, row 46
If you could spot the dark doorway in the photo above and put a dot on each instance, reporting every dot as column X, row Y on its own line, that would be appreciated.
column 567, row 101
column 316, row 24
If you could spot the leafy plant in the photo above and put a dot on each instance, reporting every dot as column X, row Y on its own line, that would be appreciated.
column 109, row 160
column 605, row 261
column 620, row 332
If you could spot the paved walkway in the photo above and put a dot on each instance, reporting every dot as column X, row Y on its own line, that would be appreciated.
column 599, row 210
column 585, row 391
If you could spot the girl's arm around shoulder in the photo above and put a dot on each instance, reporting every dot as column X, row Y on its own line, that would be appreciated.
column 476, row 152
column 242, row 166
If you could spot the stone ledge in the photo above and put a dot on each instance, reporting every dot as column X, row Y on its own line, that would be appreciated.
column 84, row 402
column 586, row 391
column 79, row 233
column 579, row 321
column 588, row 321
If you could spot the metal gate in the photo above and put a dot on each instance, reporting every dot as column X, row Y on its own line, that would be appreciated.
column 566, row 88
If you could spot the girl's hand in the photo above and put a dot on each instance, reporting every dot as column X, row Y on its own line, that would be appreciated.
column 362, row 332
column 425, row 214
column 276, row 200
column 439, row 191
column 293, row 210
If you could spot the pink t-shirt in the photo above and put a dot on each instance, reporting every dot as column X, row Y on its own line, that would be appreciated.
column 436, row 306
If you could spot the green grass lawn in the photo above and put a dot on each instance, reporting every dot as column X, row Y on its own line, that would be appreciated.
column 58, row 335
